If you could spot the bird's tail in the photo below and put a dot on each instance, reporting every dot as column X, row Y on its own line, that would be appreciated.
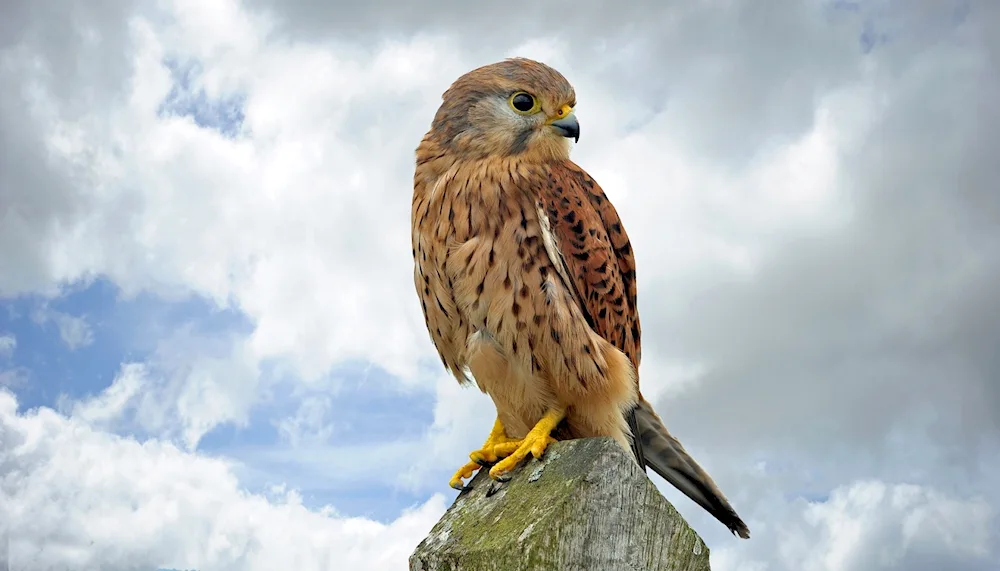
column 667, row 457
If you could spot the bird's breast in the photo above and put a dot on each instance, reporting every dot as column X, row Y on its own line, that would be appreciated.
column 479, row 243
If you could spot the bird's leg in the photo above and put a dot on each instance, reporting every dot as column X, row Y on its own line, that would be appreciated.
column 497, row 445
column 534, row 443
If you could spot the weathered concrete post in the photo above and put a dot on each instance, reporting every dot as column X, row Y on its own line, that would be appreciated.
column 585, row 505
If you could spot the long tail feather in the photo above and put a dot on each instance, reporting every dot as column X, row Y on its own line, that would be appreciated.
column 667, row 457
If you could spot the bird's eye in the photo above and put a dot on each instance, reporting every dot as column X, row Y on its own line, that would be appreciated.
column 523, row 103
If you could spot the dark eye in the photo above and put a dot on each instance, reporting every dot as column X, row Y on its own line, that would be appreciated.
column 522, row 102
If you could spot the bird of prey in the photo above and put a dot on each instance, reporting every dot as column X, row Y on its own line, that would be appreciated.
column 527, row 279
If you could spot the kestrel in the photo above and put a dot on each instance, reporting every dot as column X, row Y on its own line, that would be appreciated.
column 526, row 278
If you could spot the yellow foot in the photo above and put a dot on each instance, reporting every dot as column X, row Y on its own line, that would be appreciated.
column 497, row 445
column 506, row 449
column 534, row 443
column 493, row 450
column 465, row 471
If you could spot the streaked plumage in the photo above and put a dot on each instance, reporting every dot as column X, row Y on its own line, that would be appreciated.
column 527, row 280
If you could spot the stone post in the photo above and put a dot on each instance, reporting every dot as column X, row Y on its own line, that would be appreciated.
column 585, row 505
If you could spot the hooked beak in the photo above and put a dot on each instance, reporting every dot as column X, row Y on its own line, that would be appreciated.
column 568, row 126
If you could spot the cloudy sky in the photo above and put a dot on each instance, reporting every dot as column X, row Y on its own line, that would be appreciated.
column 212, row 356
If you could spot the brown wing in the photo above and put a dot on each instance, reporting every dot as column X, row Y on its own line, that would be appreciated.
column 596, row 253
column 597, row 258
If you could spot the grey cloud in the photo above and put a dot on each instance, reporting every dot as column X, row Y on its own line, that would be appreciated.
column 56, row 62
column 870, row 525
column 489, row 24
column 849, row 349
column 36, row 197
column 731, row 78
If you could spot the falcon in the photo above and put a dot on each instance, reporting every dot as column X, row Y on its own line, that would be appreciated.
column 527, row 280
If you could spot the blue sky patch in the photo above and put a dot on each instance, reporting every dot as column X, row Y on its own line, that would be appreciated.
column 188, row 99
column 116, row 331
column 365, row 430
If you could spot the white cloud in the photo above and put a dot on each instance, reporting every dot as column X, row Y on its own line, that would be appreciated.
column 325, row 272
column 109, row 406
column 191, row 383
column 872, row 525
column 7, row 344
column 9, row 377
column 872, row 522
column 74, row 331
column 76, row 498
column 301, row 221
column 308, row 424
column 197, row 383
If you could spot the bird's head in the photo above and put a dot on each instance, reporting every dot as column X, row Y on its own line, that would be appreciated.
column 513, row 107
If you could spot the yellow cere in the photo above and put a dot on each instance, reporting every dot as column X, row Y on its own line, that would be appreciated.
column 563, row 111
